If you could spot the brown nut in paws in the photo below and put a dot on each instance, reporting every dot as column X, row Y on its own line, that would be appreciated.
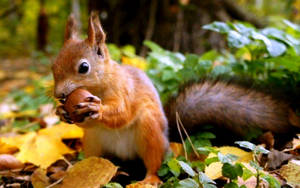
column 73, row 99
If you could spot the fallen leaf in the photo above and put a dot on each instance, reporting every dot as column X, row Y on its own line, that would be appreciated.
column 214, row 170
column 251, row 182
column 140, row 185
column 44, row 147
column 290, row 172
column 9, row 162
column 295, row 144
column 39, row 178
column 92, row 172
column 276, row 158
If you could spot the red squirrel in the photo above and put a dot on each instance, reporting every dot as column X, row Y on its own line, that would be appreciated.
column 128, row 119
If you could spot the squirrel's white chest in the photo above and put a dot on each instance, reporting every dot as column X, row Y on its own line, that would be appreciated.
column 120, row 143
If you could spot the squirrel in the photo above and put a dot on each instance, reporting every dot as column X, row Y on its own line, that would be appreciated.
column 128, row 119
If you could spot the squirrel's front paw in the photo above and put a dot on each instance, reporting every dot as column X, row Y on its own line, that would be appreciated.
column 90, row 108
column 63, row 114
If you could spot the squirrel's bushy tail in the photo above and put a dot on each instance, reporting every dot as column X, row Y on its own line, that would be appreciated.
column 230, row 105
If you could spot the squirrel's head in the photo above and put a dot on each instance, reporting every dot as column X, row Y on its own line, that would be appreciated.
column 81, row 63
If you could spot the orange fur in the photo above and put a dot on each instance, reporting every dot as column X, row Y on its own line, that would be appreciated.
column 131, row 120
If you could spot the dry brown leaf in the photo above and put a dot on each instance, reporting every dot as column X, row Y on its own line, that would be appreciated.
column 44, row 147
column 251, row 182
column 276, row 158
column 290, row 172
column 295, row 145
column 9, row 162
column 39, row 178
column 91, row 172
column 140, row 185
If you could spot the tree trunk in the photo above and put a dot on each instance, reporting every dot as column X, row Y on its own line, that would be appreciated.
column 42, row 28
column 177, row 27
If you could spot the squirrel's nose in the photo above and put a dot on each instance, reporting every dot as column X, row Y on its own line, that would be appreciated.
column 59, row 95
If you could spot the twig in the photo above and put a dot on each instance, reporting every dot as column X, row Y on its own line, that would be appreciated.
column 182, row 141
column 55, row 183
column 68, row 163
column 188, row 137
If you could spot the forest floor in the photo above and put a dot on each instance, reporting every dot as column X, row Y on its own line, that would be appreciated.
column 37, row 150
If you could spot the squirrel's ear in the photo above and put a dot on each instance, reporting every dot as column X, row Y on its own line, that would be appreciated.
column 71, row 28
column 96, row 34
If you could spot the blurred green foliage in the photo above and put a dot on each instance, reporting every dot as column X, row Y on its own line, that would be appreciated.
column 268, row 55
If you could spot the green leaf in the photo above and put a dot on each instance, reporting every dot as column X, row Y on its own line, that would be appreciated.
column 247, row 173
column 164, row 169
column 167, row 75
column 220, row 27
column 204, row 179
column 113, row 185
column 174, row 167
column 231, row 185
column 186, row 168
column 246, row 144
column 260, row 149
column 198, row 165
column 207, row 135
column 255, row 165
column 208, row 161
column 220, row 70
column 274, row 47
column 232, row 171
column 228, row 158
column 188, row 183
column 237, row 40
column 153, row 46
column 273, row 182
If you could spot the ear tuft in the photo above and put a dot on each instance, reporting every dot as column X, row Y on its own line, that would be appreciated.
column 96, row 34
column 71, row 28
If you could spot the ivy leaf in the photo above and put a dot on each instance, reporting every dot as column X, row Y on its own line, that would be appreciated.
column 273, row 182
column 229, row 158
column 204, row 179
column 274, row 47
column 237, row 40
column 186, row 168
column 232, row 171
column 220, row 27
column 174, row 167
column 188, row 183
column 246, row 144
column 231, row 185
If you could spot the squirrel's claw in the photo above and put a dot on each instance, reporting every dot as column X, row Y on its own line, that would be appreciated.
column 93, row 99
column 63, row 114
column 90, row 109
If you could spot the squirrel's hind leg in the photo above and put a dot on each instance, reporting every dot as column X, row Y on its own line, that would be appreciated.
column 152, row 143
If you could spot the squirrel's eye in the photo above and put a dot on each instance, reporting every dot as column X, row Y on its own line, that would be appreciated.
column 83, row 68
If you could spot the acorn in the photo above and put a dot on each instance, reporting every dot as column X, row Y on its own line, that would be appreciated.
column 73, row 99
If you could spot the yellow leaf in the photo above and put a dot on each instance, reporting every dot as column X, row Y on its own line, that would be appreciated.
column 214, row 170
column 137, row 62
column 29, row 89
column 140, row 185
column 39, row 178
column 92, row 172
column 290, row 172
column 18, row 114
column 44, row 147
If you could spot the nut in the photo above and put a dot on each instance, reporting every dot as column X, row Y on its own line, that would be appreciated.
column 73, row 99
